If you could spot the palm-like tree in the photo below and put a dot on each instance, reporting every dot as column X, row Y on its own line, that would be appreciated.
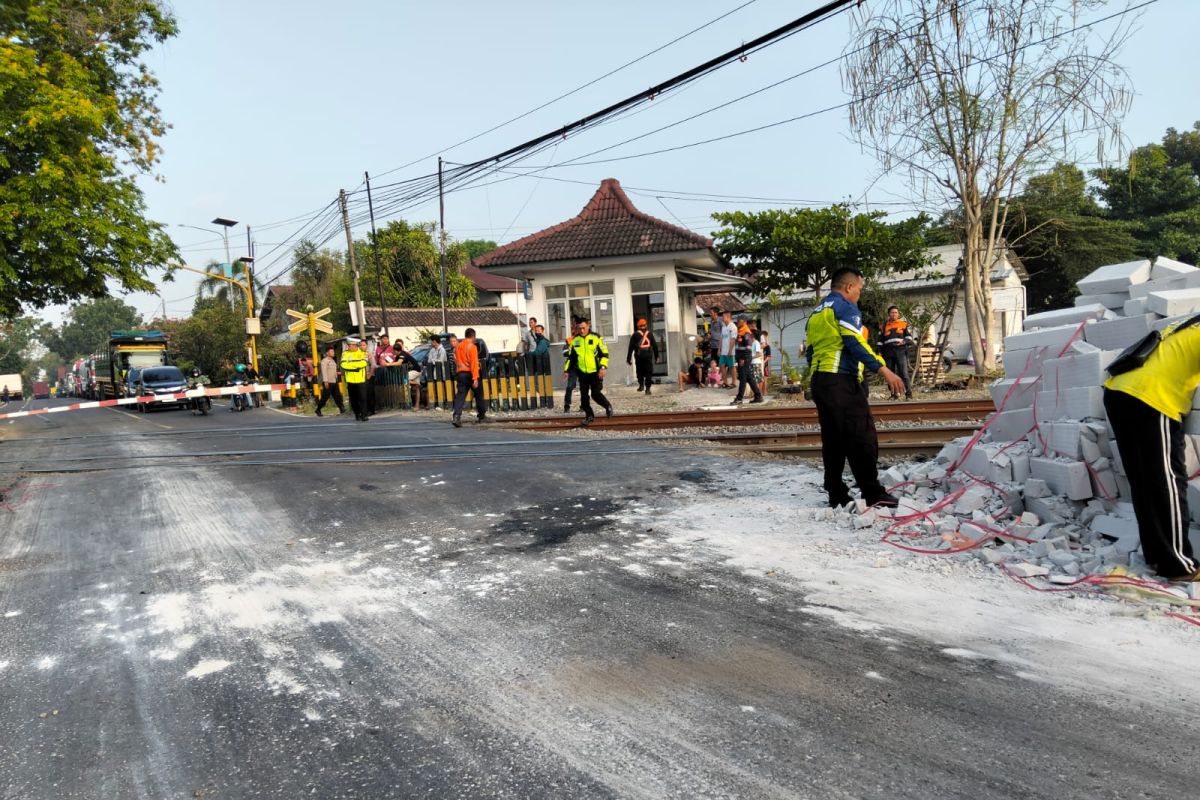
column 224, row 291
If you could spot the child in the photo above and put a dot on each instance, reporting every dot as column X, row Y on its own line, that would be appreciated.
column 714, row 373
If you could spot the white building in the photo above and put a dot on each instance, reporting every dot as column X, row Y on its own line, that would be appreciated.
column 928, row 284
column 612, row 265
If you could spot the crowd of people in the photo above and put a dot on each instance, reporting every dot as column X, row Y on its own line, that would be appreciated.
column 736, row 355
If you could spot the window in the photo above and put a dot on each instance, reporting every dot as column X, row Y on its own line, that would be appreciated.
column 645, row 285
column 591, row 301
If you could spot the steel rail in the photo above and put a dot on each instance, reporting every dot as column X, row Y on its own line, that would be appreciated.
column 745, row 415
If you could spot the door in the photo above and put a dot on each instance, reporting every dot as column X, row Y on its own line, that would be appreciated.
column 652, row 307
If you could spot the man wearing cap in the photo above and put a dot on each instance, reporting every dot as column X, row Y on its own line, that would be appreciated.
column 466, row 366
column 643, row 348
column 354, row 367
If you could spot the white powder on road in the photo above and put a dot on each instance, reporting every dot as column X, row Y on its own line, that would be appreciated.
column 46, row 662
column 207, row 667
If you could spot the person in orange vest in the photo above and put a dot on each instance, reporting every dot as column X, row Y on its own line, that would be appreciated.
column 466, row 364
column 894, row 339
column 643, row 347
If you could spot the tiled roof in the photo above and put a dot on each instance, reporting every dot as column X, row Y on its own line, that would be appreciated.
column 722, row 300
column 432, row 317
column 609, row 225
column 487, row 282
column 279, row 296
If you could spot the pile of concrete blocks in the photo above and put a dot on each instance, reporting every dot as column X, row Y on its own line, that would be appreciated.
column 1042, row 489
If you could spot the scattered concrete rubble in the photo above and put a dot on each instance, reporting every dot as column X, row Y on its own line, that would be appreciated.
column 1040, row 491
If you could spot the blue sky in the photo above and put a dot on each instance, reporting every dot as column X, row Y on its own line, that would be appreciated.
column 276, row 105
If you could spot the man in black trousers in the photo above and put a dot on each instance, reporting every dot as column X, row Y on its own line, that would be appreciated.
column 837, row 355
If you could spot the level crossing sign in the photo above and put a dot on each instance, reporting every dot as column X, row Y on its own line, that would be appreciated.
column 312, row 321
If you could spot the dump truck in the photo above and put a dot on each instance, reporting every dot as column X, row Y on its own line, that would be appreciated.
column 126, row 349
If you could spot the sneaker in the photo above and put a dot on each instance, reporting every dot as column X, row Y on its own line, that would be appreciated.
column 319, row 414
column 884, row 500
column 480, row 417
column 647, row 390
column 566, row 409
column 737, row 401
column 588, row 420
column 1193, row 578
column 608, row 411
column 757, row 400
column 893, row 397
column 456, row 421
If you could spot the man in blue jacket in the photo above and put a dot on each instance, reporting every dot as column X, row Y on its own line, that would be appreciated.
column 838, row 354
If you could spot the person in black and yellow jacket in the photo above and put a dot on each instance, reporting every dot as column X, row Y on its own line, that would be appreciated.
column 837, row 353
column 354, row 367
column 589, row 358
column 1146, row 406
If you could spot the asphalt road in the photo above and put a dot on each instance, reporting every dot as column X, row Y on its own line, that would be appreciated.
column 190, row 608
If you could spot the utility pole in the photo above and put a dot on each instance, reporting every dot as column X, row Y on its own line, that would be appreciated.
column 375, row 254
column 358, row 306
column 250, row 296
column 442, row 242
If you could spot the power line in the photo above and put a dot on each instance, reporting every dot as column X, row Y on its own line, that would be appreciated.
column 576, row 90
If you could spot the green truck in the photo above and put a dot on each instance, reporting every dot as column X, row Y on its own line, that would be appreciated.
column 126, row 350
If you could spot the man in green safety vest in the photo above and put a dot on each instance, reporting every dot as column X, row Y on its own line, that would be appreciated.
column 589, row 358
column 354, row 367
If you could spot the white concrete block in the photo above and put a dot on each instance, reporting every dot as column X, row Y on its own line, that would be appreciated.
column 1009, row 394
column 1191, row 424
column 972, row 499
column 1026, row 363
column 1169, row 268
column 1067, row 316
column 1161, row 325
column 1020, row 467
column 1055, row 339
column 1115, row 277
column 1117, row 334
column 1076, row 370
column 1089, row 450
column 1114, row 526
column 1174, row 302
column 1036, row 487
column 1069, row 478
column 1073, row 404
column 1190, row 280
column 1025, row 570
column 1135, row 306
column 1104, row 484
column 1061, row 558
column 1114, row 302
column 1008, row 426
column 1063, row 438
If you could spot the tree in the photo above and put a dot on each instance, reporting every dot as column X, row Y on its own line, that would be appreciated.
column 409, row 260
column 1061, row 234
column 314, row 273
column 78, row 121
column 16, row 338
column 477, row 247
column 213, row 338
column 1158, row 193
column 799, row 249
column 970, row 100
column 87, row 326
column 223, row 290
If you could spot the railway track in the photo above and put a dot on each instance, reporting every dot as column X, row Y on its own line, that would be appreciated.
column 924, row 411
column 926, row 440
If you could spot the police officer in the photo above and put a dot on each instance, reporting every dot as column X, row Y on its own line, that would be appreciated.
column 837, row 352
column 589, row 358
column 354, row 367
column 644, row 349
